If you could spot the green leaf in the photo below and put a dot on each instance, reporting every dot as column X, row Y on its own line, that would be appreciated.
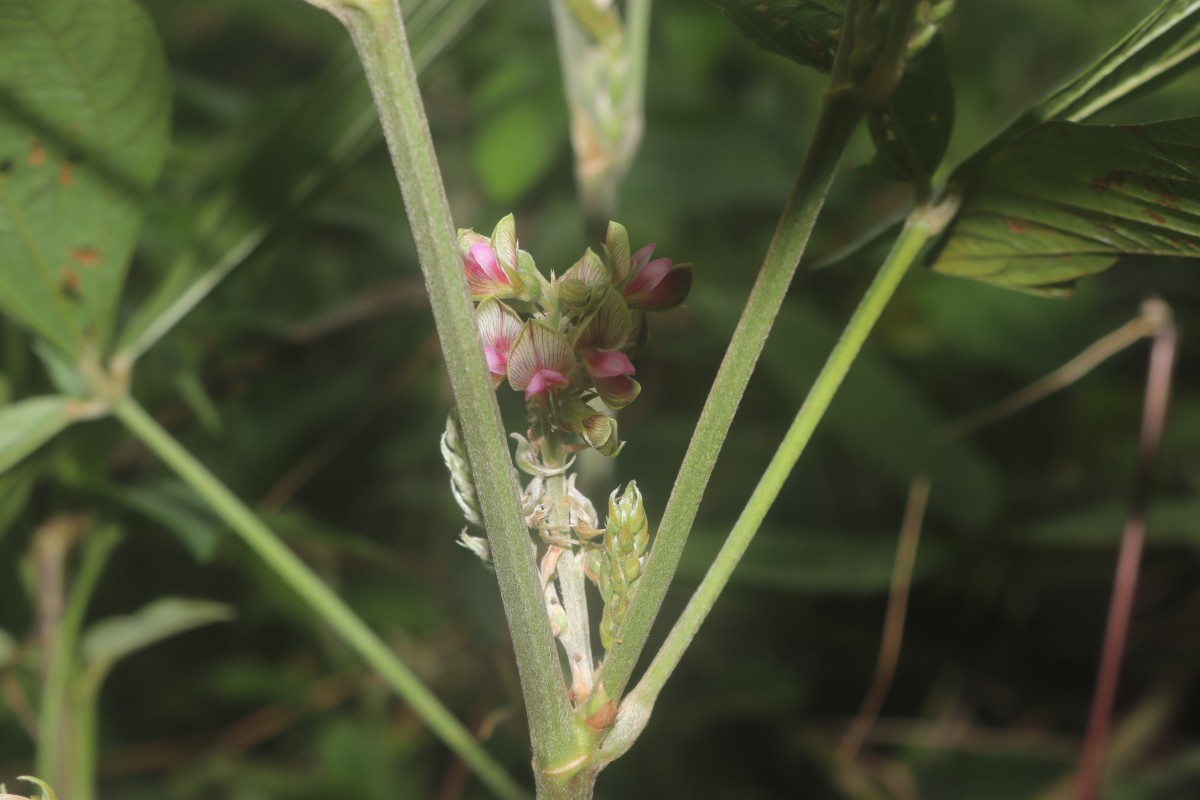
column 27, row 425
column 1162, row 46
column 805, row 31
column 112, row 639
column 301, row 154
column 15, row 488
column 911, row 129
column 1170, row 521
column 1066, row 200
column 806, row 561
column 301, row 157
column 84, row 107
column 172, row 505
column 8, row 648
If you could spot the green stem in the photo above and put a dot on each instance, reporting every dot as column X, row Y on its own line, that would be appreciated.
column 84, row 700
column 905, row 251
column 323, row 601
column 841, row 112
column 378, row 33
column 55, row 756
column 637, row 32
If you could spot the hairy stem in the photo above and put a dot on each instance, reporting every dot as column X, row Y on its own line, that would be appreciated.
column 377, row 29
column 840, row 114
column 319, row 597
column 914, row 236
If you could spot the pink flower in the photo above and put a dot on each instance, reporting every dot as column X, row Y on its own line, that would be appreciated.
column 497, row 359
column 608, row 364
column 545, row 379
column 540, row 360
column 485, row 276
column 656, row 285
column 498, row 327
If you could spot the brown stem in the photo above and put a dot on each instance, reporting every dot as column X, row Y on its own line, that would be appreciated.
column 893, row 626
column 1158, row 393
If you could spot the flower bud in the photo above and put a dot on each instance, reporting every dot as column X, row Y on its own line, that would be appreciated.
column 656, row 285
column 626, row 539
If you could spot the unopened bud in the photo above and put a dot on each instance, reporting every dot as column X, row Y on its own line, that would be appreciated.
column 626, row 540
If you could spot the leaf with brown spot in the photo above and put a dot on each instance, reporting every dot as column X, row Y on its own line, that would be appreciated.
column 81, row 159
column 1067, row 200
column 88, row 256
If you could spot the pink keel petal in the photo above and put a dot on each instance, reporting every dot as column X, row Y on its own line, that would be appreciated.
column 648, row 277
column 640, row 258
column 485, row 258
column 609, row 364
column 497, row 360
column 544, row 380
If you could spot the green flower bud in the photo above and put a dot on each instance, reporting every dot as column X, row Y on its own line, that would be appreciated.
column 619, row 566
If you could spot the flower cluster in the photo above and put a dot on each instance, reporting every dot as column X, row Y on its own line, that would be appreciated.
column 568, row 340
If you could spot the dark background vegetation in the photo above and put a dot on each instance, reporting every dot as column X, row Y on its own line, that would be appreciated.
column 311, row 383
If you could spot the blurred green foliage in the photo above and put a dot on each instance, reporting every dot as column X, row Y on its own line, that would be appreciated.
column 310, row 382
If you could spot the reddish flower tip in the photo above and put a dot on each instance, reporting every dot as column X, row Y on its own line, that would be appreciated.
column 497, row 360
column 657, row 285
column 608, row 364
column 485, row 276
column 544, row 380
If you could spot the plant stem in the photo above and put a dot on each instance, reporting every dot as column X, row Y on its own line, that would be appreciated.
column 840, row 114
column 378, row 33
column 319, row 597
column 1154, row 415
column 56, row 758
column 905, row 251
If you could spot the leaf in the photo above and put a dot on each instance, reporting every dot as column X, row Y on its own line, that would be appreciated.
column 172, row 505
column 806, row 31
column 27, row 425
column 302, row 157
column 790, row 560
column 912, row 128
column 1164, row 44
column 15, row 488
column 112, row 639
column 8, row 648
column 1170, row 521
column 1066, row 200
column 84, row 107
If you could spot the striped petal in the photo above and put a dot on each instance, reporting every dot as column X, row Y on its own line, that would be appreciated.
column 541, row 359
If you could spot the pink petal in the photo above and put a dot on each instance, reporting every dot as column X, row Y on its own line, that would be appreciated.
column 497, row 359
column 484, row 274
column 648, row 277
column 640, row 258
column 544, row 380
column 485, row 258
column 608, row 364
column 667, row 291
